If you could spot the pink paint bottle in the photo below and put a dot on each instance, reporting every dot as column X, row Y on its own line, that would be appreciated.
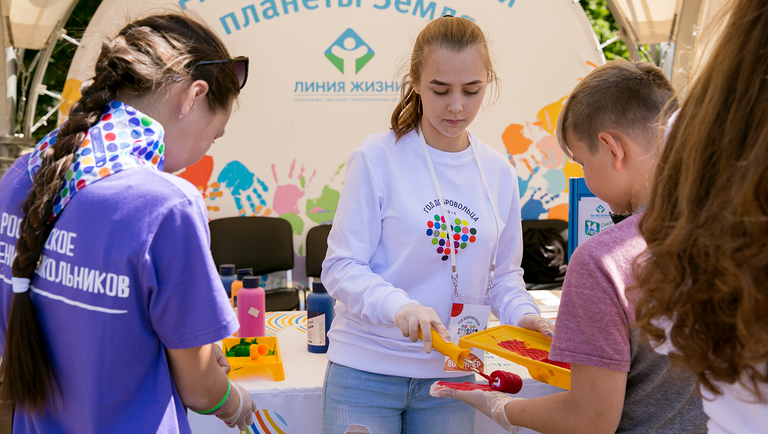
column 251, row 308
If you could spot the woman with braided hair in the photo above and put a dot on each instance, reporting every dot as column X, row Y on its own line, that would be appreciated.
column 115, row 299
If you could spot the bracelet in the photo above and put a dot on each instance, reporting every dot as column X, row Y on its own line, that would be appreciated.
column 221, row 403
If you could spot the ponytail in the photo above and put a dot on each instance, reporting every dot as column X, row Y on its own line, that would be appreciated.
column 408, row 112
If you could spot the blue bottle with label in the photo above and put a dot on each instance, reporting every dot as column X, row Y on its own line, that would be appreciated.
column 320, row 314
column 227, row 274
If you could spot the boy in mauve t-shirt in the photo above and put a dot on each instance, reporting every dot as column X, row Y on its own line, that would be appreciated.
column 610, row 125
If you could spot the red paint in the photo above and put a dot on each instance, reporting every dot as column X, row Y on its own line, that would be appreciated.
column 560, row 364
column 465, row 386
column 521, row 348
column 457, row 308
column 508, row 382
column 484, row 375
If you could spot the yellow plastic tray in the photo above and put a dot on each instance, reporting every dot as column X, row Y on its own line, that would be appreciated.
column 272, row 361
column 489, row 340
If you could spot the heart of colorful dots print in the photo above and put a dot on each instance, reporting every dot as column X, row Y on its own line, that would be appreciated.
column 446, row 237
column 123, row 138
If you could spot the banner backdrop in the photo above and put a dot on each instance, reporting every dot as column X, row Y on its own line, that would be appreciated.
column 325, row 74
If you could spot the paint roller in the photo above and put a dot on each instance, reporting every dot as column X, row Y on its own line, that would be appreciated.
column 498, row 380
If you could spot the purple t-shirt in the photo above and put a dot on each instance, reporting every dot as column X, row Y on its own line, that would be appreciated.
column 593, row 319
column 126, row 273
column 594, row 328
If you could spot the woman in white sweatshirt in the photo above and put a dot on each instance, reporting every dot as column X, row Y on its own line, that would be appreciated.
column 429, row 216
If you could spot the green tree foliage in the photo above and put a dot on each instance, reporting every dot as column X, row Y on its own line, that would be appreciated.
column 605, row 27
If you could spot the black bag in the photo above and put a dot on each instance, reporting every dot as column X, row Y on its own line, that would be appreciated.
column 545, row 255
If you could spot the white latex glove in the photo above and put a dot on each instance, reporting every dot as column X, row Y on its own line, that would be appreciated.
column 243, row 417
column 531, row 321
column 490, row 404
column 221, row 359
column 414, row 317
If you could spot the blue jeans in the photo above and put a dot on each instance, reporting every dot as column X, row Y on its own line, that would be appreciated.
column 359, row 402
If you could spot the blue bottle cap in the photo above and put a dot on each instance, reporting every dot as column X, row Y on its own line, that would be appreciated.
column 227, row 269
column 244, row 272
column 318, row 287
column 251, row 282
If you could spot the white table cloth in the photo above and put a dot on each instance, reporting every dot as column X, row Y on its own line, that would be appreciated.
column 293, row 406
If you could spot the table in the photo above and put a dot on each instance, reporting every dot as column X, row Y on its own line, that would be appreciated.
column 293, row 406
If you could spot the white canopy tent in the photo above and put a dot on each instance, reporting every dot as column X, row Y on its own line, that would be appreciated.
column 34, row 25
column 647, row 21
column 673, row 29
column 33, row 21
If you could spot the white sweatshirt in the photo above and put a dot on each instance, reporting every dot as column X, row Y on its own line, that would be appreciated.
column 383, row 254
column 736, row 410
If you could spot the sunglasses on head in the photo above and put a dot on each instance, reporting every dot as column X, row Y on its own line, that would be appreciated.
column 240, row 63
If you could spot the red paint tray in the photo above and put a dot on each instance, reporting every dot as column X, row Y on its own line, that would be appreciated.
column 489, row 340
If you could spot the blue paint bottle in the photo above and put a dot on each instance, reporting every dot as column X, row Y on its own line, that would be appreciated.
column 237, row 284
column 320, row 314
column 227, row 274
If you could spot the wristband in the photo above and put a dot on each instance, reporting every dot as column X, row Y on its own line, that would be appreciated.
column 221, row 403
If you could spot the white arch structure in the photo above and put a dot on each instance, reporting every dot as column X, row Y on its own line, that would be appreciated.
column 679, row 25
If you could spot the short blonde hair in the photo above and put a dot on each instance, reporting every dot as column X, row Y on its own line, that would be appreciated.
column 632, row 97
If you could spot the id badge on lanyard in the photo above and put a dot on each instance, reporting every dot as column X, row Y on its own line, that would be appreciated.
column 469, row 313
column 468, row 316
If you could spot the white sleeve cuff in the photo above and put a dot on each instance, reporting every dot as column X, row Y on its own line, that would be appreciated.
column 516, row 317
column 393, row 303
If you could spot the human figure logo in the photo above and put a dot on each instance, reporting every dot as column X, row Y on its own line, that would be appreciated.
column 349, row 54
column 600, row 209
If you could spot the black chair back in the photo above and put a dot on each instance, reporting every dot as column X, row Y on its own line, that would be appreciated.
column 558, row 225
column 262, row 243
column 545, row 253
column 317, row 246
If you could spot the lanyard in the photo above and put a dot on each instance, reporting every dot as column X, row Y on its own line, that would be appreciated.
column 454, row 274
